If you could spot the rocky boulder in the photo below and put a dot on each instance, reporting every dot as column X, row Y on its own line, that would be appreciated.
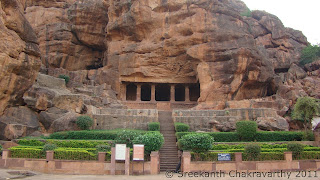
column 19, row 54
column 18, row 122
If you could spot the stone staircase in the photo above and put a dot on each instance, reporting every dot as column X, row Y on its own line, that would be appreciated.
column 169, row 151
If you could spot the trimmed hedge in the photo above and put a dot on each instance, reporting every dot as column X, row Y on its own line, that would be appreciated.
column 264, row 136
column 181, row 127
column 35, row 152
column 197, row 142
column 89, row 134
column 217, row 136
column 64, row 143
column 74, row 154
column 30, row 142
column 154, row 126
column 264, row 156
column 213, row 156
column 308, row 155
column 246, row 130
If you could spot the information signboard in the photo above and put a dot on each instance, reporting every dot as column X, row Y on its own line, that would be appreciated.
column 121, row 152
column 138, row 152
column 224, row 157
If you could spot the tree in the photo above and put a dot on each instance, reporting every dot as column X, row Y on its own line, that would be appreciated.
column 310, row 54
column 305, row 109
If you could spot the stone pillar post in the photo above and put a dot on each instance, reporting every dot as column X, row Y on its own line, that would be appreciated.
column 6, row 154
column 127, row 162
column 153, row 93
column 154, row 164
column 101, row 156
column 238, row 157
column 186, row 161
column 113, row 161
column 187, row 93
column 138, row 92
column 172, row 93
column 49, row 155
column 288, row 156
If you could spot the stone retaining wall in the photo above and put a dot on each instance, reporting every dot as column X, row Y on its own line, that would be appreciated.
column 125, row 118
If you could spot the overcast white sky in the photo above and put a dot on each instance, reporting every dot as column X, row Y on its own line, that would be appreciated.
column 303, row 15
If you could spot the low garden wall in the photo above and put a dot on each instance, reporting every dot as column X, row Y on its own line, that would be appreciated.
column 256, row 166
column 99, row 167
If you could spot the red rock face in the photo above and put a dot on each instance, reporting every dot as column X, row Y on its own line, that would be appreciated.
column 19, row 54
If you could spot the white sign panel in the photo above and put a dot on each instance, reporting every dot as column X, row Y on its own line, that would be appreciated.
column 121, row 151
column 138, row 152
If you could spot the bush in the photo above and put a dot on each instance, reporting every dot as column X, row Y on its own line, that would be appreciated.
column 225, row 136
column 84, row 122
column 77, row 143
column 103, row 148
column 74, row 154
column 154, row 126
column 309, row 54
column 153, row 141
column 27, row 152
column 65, row 77
column 295, row 148
column 265, row 136
column 181, row 127
column 49, row 147
column 93, row 134
column 246, row 13
column 126, row 137
column 253, row 151
column 196, row 142
column 308, row 136
column 309, row 155
column 0, row 149
column 246, row 130
column 30, row 142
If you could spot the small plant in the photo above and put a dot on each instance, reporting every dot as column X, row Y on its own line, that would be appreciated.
column 0, row 149
column 181, row 127
column 65, row 77
column 84, row 122
column 126, row 137
column 153, row 141
column 246, row 13
column 227, row 112
column 49, row 147
column 154, row 126
column 253, row 151
column 246, row 130
column 103, row 148
column 295, row 148
column 196, row 142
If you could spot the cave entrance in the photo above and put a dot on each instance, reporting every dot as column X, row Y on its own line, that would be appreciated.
column 145, row 92
column 131, row 92
column 180, row 92
column 162, row 92
column 194, row 92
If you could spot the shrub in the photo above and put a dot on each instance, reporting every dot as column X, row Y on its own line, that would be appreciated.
column 154, row 126
column 246, row 130
column 74, row 154
column 93, row 134
column 65, row 77
column 27, row 152
column 295, row 148
column 225, row 136
column 77, row 143
column 196, row 142
column 309, row 54
column 84, row 122
column 181, row 127
column 308, row 136
column 246, row 13
column 0, row 149
column 253, row 151
column 49, row 147
column 179, row 135
column 265, row 136
column 103, row 148
column 264, row 156
column 153, row 141
column 30, row 142
column 309, row 155
column 126, row 137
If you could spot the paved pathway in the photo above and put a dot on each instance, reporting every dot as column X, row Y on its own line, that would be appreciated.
column 4, row 175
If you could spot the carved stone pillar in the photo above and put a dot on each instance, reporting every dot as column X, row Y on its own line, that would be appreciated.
column 153, row 93
column 172, row 95
column 138, row 92
column 187, row 93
